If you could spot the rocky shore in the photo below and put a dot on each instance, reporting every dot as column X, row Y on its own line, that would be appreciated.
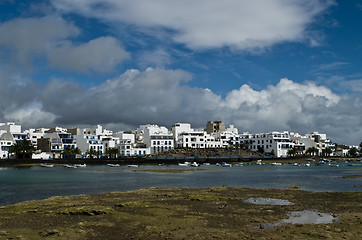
column 174, row 213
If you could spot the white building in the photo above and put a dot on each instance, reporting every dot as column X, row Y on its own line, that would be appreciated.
column 158, row 139
column 6, row 140
column 277, row 143
column 35, row 134
column 97, row 131
column 180, row 128
column 195, row 139
column 187, row 137
column 10, row 127
column 55, row 142
column 227, row 137
column 313, row 139
column 89, row 142
column 126, row 135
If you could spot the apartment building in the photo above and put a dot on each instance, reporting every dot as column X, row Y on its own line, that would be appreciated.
column 277, row 143
column 158, row 139
column 6, row 140
column 215, row 126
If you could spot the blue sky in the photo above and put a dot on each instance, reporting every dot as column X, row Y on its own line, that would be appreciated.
column 261, row 65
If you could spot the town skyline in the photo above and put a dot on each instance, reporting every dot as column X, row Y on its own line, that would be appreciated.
column 51, row 143
column 261, row 66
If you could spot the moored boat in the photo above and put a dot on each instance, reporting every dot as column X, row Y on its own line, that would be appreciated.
column 47, row 165
column 132, row 165
column 69, row 166
column 194, row 164
column 80, row 165
column 112, row 165
column 185, row 164
column 224, row 164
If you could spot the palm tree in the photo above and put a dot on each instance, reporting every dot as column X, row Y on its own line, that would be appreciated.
column 70, row 152
column 67, row 152
column 311, row 151
column 326, row 151
column 292, row 152
column 22, row 149
column 77, row 151
column 112, row 152
column 91, row 152
column 353, row 151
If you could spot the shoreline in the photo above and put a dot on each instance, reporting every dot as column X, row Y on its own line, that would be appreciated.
column 183, row 213
column 172, row 160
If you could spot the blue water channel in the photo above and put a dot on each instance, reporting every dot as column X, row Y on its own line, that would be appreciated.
column 19, row 184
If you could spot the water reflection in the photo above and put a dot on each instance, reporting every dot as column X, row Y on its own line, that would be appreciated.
column 304, row 217
column 268, row 201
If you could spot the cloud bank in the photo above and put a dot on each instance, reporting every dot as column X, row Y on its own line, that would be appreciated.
column 204, row 24
column 162, row 97
column 25, row 40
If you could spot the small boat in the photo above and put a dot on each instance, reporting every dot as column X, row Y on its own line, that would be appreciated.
column 224, row 164
column 206, row 164
column 295, row 164
column 276, row 164
column 69, row 166
column 194, row 164
column 112, row 165
column 47, row 165
column 185, row 164
column 132, row 165
column 307, row 164
column 80, row 165
column 333, row 165
column 258, row 162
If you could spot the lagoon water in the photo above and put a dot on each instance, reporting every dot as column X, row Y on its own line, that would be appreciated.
column 32, row 183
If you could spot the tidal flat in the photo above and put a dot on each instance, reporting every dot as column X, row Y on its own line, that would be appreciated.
column 183, row 213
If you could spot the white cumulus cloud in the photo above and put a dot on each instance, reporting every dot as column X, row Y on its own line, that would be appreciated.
column 240, row 24
column 24, row 40
column 100, row 55
column 160, row 96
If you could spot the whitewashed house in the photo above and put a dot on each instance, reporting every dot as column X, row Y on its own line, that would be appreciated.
column 229, row 136
column 277, row 143
column 6, row 140
column 89, row 142
column 158, row 139
column 314, row 139
column 35, row 134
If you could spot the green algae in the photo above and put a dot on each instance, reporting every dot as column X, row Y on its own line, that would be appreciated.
column 176, row 213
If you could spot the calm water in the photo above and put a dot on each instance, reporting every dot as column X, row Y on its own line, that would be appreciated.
column 21, row 184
